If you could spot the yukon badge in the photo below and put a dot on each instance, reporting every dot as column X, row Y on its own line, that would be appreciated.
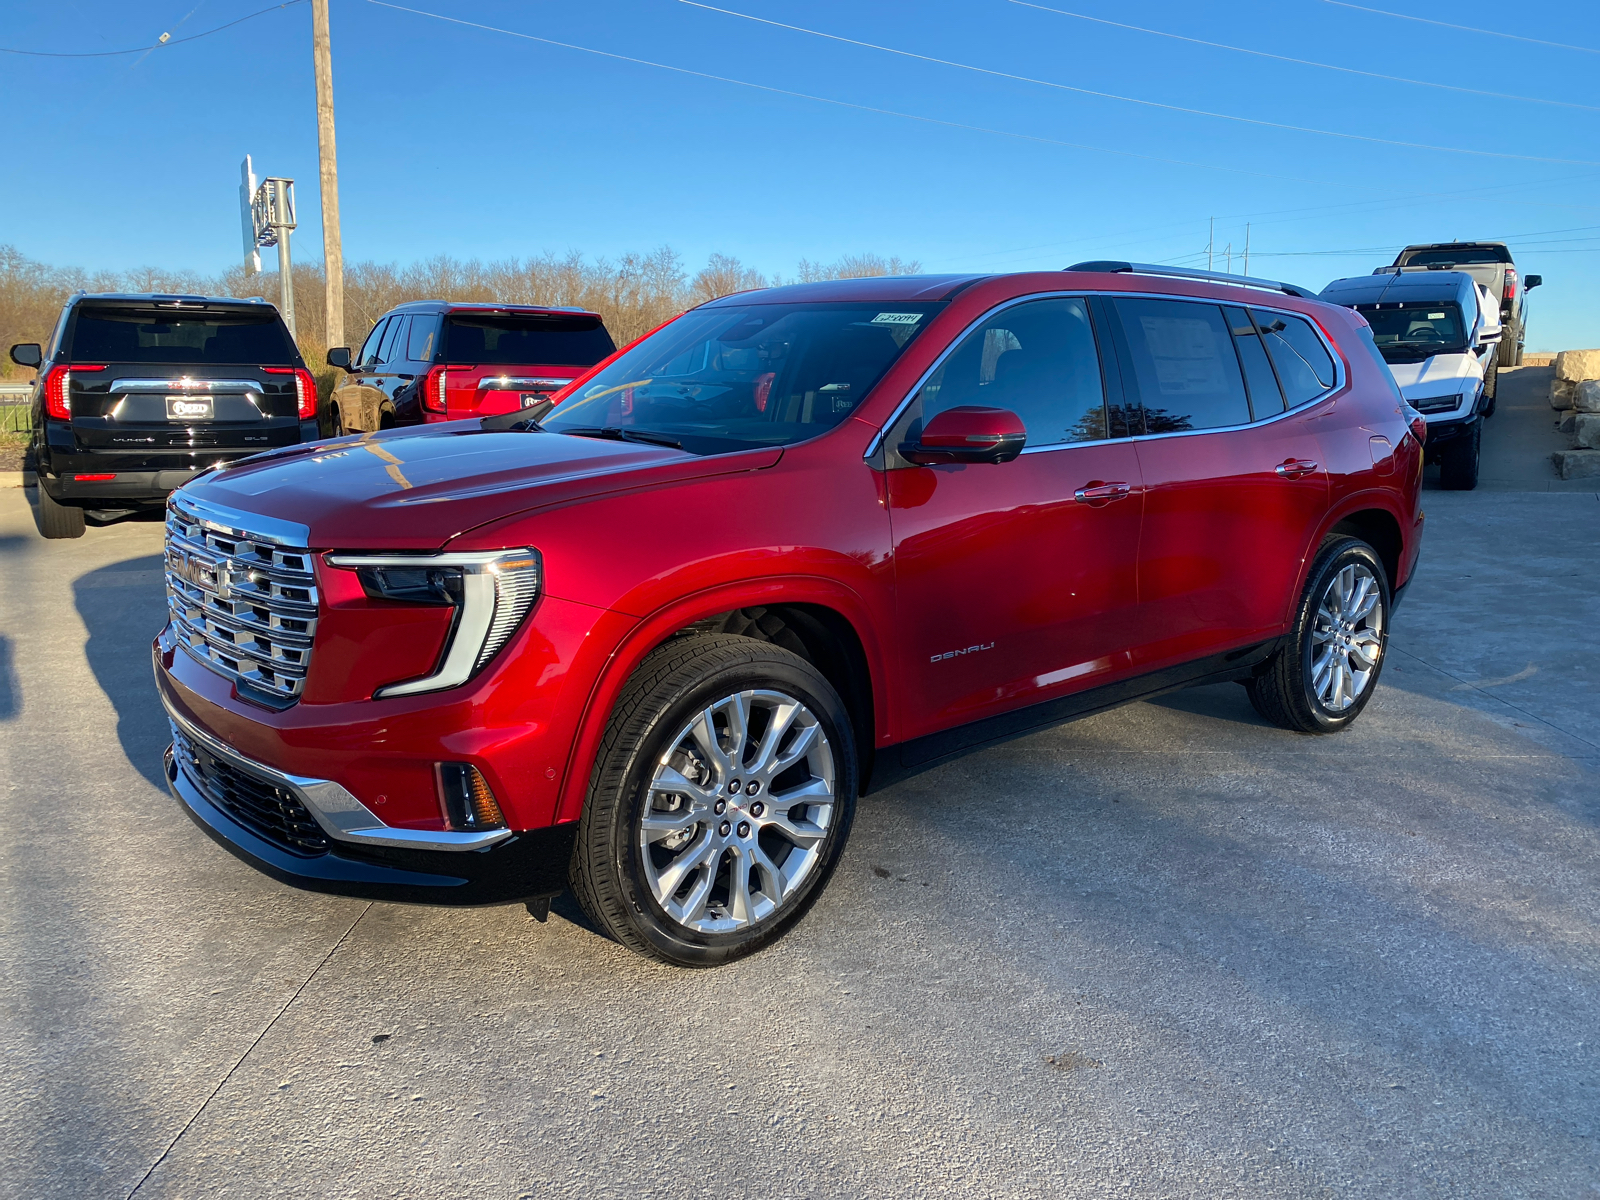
column 958, row 653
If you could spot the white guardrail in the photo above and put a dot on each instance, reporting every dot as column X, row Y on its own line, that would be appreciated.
column 15, row 416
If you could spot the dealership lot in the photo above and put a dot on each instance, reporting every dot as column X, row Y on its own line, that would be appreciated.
column 1165, row 951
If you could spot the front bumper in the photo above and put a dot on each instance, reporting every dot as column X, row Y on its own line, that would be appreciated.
column 313, row 834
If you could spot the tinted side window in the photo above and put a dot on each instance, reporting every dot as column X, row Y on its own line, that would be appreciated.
column 369, row 348
column 394, row 339
column 424, row 339
column 1305, row 368
column 1262, row 384
column 1036, row 359
column 1184, row 365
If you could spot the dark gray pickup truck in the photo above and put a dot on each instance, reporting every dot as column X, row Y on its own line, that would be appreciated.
column 1490, row 264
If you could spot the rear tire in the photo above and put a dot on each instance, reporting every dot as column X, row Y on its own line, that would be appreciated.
column 1320, row 681
column 58, row 520
column 1511, row 343
column 335, row 422
column 710, row 828
column 1458, row 461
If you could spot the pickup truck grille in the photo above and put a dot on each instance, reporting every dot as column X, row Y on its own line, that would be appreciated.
column 258, row 804
column 242, row 605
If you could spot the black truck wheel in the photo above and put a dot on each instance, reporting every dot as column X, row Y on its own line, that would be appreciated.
column 1458, row 460
column 58, row 520
column 720, row 801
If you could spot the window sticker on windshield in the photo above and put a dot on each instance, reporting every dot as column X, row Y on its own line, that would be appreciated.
column 1435, row 316
column 897, row 318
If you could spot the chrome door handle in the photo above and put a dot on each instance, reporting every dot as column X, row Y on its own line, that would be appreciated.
column 1101, row 493
column 1295, row 468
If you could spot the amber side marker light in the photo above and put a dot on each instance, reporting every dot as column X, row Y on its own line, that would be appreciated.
column 465, row 798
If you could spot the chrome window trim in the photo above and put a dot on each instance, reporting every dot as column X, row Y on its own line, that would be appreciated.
column 342, row 817
column 522, row 383
column 237, row 523
column 1341, row 376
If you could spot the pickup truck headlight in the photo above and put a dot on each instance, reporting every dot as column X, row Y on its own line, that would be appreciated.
column 1438, row 404
column 491, row 591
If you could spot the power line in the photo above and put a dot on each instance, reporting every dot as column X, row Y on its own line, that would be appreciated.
column 1515, row 37
column 1304, row 62
column 887, row 112
column 193, row 37
column 1201, row 112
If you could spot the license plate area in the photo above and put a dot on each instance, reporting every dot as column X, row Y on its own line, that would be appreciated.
column 190, row 408
column 529, row 399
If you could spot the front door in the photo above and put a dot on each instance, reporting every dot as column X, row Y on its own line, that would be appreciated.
column 1011, row 587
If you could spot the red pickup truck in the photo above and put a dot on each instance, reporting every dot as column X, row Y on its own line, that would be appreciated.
column 654, row 641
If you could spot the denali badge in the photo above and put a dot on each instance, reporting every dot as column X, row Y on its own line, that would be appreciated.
column 959, row 653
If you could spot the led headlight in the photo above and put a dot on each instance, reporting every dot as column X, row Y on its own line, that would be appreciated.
column 491, row 590
column 1438, row 404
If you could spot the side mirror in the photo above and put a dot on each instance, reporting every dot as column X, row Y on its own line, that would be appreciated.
column 339, row 356
column 1532, row 281
column 27, row 354
column 968, row 434
column 1490, row 336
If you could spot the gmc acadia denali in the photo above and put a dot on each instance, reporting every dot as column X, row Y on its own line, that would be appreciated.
column 137, row 393
column 654, row 641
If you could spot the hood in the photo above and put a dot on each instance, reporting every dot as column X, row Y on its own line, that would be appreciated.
column 1435, row 376
column 417, row 488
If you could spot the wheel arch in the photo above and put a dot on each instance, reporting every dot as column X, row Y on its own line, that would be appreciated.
column 820, row 620
column 1381, row 530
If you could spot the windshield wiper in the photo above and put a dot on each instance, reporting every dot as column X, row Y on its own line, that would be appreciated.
column 616, row 434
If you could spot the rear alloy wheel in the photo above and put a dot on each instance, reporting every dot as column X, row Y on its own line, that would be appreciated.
column 58, row 520
column 1322, row 679
column 1458, row 460
column 721, row 799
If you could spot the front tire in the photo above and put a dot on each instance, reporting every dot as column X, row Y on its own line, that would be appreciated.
column 1458, row 460
column 720, row 801
column 1321, row 680
column 58, row 520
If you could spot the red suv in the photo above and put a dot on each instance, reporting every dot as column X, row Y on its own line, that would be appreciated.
column 433, row 361
column 654, row 642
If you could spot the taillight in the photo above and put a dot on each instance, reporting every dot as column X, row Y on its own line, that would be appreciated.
column 57, row 389
column 433, row 390
column 305, row 390
column 1511, row 284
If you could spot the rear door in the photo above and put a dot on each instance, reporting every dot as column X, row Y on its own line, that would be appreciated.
column 1010, row 587
column 1235, row 486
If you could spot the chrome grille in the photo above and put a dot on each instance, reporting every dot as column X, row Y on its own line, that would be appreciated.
column 242, row 604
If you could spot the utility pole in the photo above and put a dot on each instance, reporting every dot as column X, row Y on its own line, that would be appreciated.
column 1228, row 254
column 1211, row 241
column 332, row 251
column 1247, row 247
column 274, row 221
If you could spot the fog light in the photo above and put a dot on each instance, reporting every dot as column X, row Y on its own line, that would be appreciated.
column 465, row 798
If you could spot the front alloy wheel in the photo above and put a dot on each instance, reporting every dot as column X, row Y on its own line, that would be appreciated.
column 739, row 810
column 720, row 800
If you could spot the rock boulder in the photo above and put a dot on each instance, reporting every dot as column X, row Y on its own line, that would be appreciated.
column 1578, row 364
column 1577, row 464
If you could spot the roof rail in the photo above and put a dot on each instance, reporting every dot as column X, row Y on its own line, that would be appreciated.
column 1115, row 267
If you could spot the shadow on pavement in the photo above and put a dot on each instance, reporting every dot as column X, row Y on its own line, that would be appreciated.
column 123, row 607
column 10, row 693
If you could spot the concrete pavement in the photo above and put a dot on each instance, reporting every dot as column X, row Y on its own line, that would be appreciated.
column 1167, row 951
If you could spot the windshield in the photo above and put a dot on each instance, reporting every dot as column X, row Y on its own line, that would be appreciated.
column 730, row 377
column 1406, row 332
column 1462, row 255
column 509, row 339
column 130, row 335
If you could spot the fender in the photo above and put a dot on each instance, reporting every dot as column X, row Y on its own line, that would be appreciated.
column 654, row 629
column 1363, row 501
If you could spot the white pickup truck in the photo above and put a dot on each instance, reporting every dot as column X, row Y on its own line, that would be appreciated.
column 1438, row 331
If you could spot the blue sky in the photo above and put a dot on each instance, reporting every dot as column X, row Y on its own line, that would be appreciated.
column 467, row 141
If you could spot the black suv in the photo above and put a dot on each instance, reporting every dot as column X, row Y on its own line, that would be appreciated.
column 138, row 393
